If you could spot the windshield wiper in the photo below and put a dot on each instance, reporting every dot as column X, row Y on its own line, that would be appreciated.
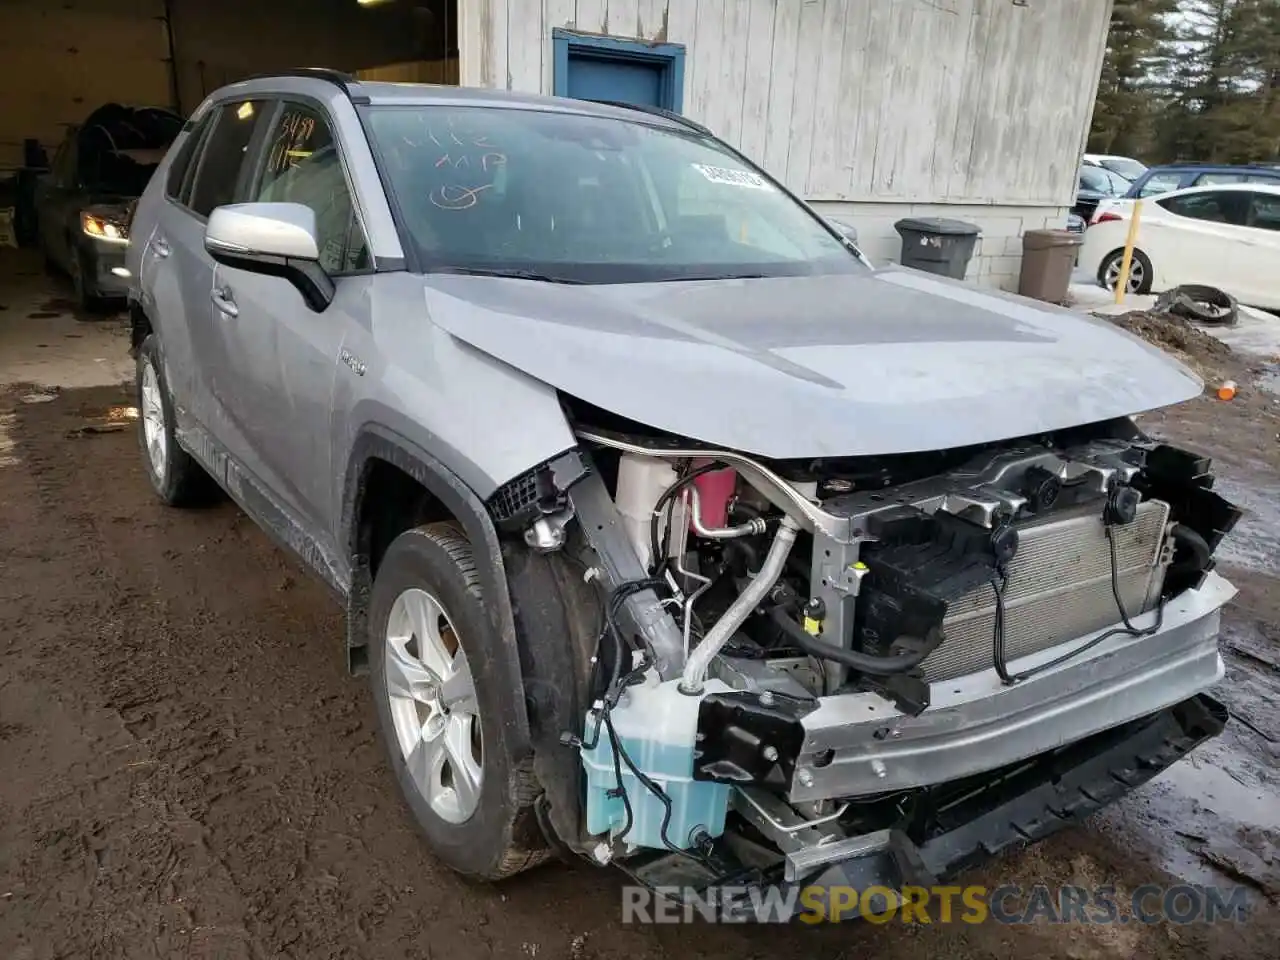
column 502, row 272
column 723, row 276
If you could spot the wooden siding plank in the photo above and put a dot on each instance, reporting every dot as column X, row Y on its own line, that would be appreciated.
column 704, row 92
column 555, row 14
column 786, row 47
column 731, row 86
column 876, row 97
column 682, row 27
column 963, row 182
column 989, row 175
column 475, row 36
column 758, row 80
column 621, row 17
column 802, row 105
column 559, row 13
column 591, row 15
column 499, row 43
column 524, row 45
column 957, row 35
column 826, row 174
column 926, row 29
column 651, row 20
column 909, row 86
column 855, row 75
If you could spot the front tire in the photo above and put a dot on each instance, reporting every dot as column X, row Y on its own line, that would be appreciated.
column 1140, row 275
column 88, row 301
column 175, row 476
column 440, row 708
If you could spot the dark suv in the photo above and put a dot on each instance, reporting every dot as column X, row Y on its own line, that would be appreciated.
column 1176, row 176
column 83, row 203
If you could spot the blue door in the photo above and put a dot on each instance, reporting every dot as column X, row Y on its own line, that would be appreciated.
column 609, row 68
column 631, row 81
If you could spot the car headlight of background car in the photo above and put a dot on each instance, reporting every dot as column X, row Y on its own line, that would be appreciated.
column 105, row 227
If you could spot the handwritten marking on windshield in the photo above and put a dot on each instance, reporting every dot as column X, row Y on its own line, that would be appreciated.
column 457, row 198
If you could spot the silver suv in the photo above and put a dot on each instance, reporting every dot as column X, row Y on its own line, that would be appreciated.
column 671, row 533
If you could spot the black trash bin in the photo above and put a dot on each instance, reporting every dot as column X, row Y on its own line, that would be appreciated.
column 937, row 245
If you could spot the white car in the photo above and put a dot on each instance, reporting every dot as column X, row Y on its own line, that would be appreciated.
column 1127, row 167
column 1224, row 235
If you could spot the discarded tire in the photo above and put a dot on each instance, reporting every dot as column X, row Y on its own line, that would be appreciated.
column 1199, row 304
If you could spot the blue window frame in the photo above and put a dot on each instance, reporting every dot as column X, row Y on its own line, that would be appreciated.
column 610, row 68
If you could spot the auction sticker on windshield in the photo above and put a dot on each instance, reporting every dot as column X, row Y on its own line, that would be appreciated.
column 733, row 178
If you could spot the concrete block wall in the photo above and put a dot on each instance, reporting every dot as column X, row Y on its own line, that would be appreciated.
column 997, row 259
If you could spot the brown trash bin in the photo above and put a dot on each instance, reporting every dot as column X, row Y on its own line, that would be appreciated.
column 1048, row 257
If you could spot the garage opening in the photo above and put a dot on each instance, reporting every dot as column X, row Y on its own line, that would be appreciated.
column 72, row 59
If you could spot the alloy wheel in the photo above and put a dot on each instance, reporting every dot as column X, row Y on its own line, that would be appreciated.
column 433, row 705
column 153, row 427
column 1136, row 275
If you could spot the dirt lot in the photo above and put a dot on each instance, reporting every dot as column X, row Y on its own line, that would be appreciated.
column 188, row 771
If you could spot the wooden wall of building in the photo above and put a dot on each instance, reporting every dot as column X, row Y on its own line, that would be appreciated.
column 917, row 101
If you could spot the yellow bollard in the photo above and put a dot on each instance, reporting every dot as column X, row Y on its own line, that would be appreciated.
column 1122, row 282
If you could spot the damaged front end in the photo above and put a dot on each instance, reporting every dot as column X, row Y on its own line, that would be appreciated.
column 874, row 670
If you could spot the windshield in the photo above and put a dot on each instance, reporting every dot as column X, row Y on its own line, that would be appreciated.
column 121, row 147
column 1101, row 180
column 589, row 199
column 1129, row 169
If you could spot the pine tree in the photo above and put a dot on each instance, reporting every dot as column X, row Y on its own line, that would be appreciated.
column 1124, row 115
column 1222, row 95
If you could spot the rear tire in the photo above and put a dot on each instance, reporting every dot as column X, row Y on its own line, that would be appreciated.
column 174, row 474
column 440, row 708
column 1140, row 275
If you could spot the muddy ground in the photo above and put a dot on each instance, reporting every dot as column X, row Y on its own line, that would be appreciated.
column 189, row 772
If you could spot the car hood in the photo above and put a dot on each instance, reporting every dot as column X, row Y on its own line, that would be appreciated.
column 888, row 361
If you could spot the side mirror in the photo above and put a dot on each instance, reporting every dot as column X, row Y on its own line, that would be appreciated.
column 846, row 230
column 277, row 239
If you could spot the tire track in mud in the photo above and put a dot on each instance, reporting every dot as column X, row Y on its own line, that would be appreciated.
column 194, row 774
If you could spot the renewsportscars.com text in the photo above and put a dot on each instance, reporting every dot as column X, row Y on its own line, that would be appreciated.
column 1010, row 904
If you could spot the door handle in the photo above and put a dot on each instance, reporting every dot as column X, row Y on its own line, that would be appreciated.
column 161, row 248
column 221, row 298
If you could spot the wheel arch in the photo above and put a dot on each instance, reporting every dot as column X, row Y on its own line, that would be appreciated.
column 1138, row 251
column 140, row 325
column 376, row 445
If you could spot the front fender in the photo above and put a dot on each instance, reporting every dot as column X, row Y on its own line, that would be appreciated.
column 377, row 442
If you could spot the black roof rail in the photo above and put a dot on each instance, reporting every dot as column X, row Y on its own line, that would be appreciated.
column 346, row 82
column 671, row 115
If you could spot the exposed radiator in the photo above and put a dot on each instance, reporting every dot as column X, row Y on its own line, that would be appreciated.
column 1059, row 589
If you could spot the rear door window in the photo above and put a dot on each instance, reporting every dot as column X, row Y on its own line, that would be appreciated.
column 1214, row 206
column 222, row 162
column 182, row 170
column 1264, row 211
column 1207, row 179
